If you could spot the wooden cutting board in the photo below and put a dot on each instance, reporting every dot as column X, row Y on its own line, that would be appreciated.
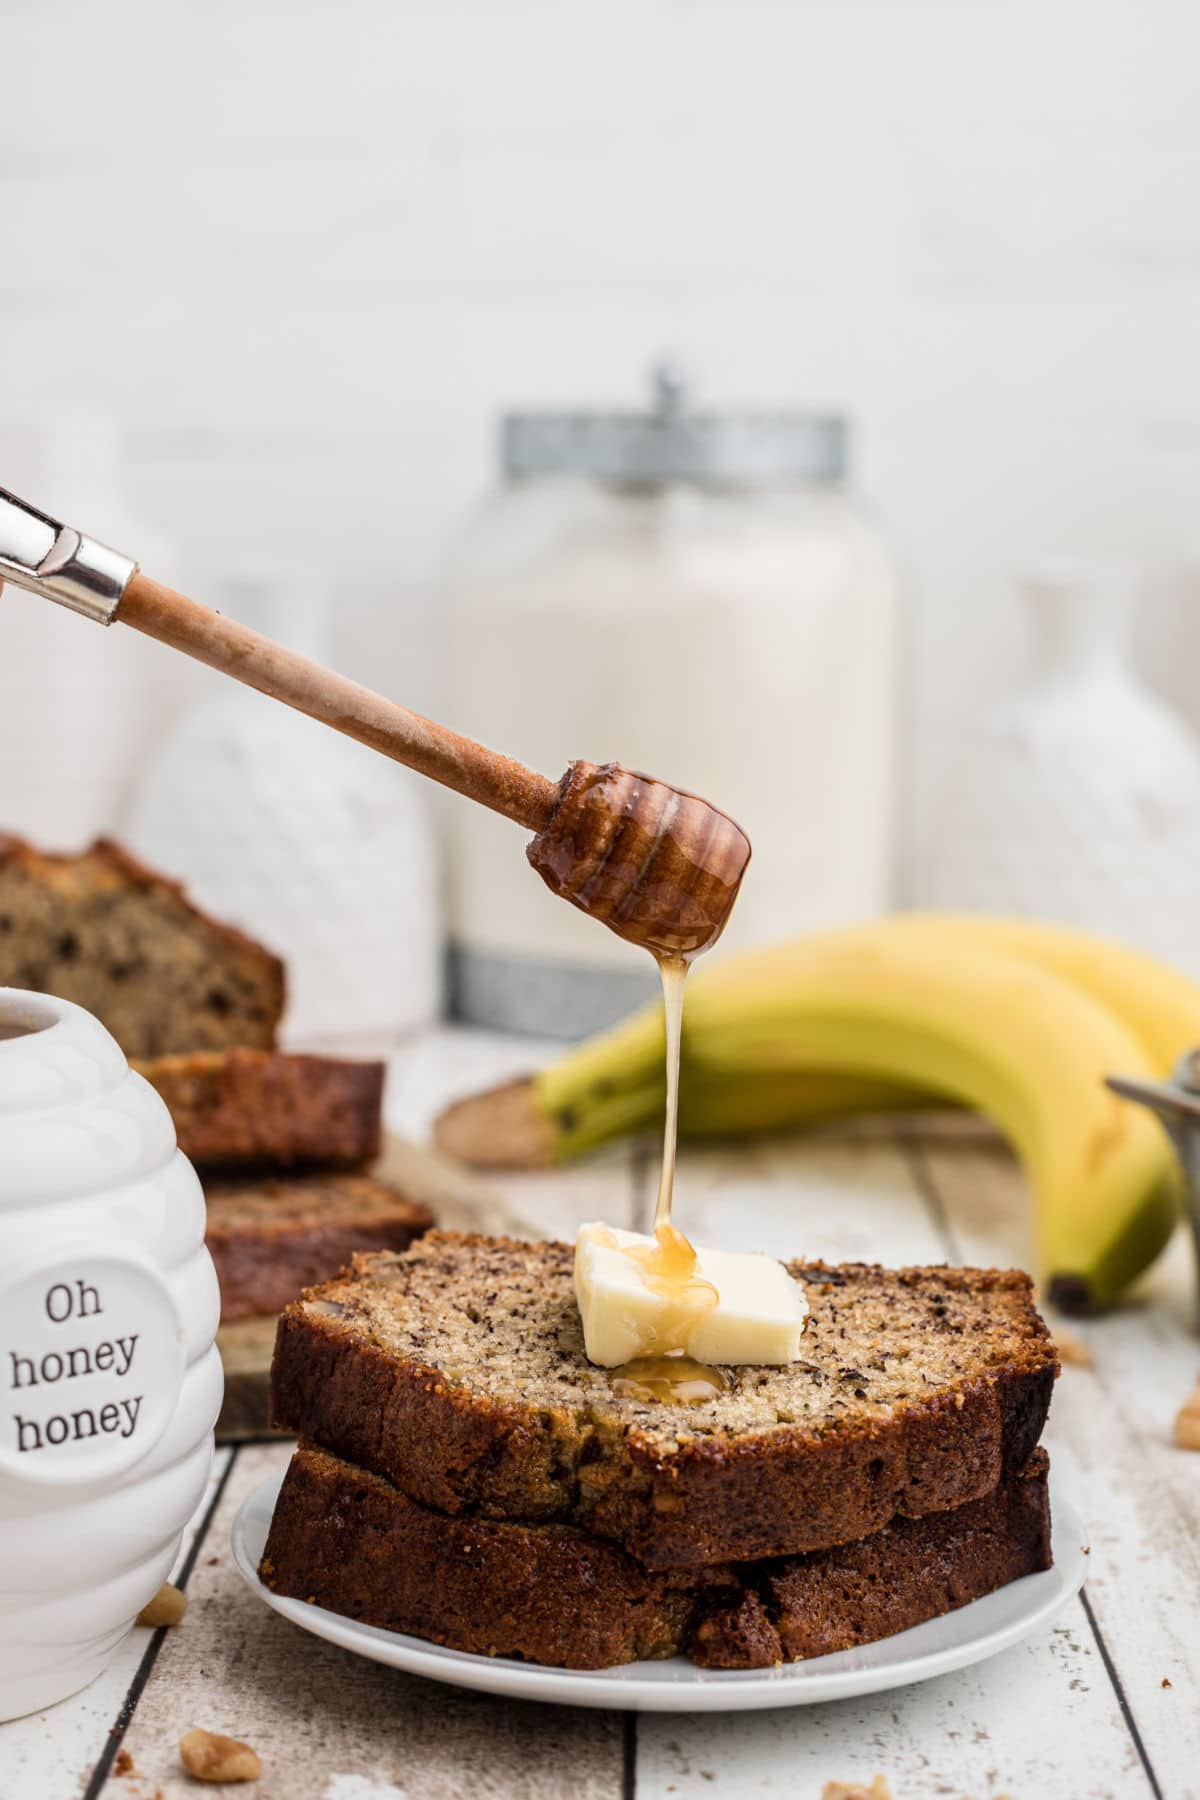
column 458, row 1200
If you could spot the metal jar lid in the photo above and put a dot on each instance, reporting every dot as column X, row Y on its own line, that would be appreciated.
column 672, row 443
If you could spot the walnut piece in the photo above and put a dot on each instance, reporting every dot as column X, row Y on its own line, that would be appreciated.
column 856, row 1790
column 208, row 1756
column 1071, row 1348
column 1187, row 1422
column 167, row 1607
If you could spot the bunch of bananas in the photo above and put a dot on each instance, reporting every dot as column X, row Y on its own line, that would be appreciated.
column 1021, row 1022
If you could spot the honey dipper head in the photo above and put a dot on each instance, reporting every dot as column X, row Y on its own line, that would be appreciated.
column 656, row 864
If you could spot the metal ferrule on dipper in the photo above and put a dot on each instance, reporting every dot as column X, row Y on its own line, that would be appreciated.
column 60, row 563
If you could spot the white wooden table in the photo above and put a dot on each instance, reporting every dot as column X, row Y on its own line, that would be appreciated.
column 1105, row 1702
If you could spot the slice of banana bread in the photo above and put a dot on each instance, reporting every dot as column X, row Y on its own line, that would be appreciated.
column 271, row 1239
column 105, row 931
column 457, row 1371
column 267, row 1109
column 348, row 1540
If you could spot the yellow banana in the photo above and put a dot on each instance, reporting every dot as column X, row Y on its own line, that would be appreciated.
column 614, row 1083
column 1160, row 1005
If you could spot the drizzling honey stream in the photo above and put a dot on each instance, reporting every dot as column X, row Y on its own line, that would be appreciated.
column 669, row 1266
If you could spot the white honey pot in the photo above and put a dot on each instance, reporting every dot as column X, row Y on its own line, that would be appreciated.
column 110, row 1381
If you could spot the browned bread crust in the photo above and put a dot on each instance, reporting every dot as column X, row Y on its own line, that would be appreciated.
column 261, row 1108
column 271, row 1239
column 458, row 1372
column 105, row 931
column 348, row 1540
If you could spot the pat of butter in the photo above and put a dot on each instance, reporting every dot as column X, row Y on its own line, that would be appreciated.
column 758, row 1317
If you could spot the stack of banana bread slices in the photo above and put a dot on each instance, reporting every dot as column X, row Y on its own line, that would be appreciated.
column 467, row 1476
column 281, row 1140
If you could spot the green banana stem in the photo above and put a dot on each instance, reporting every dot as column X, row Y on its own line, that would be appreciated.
column 614, row 1116
column 613, row 1085
column 619, row 1061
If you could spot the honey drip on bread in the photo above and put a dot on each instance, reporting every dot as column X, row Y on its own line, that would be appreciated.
column 670, row 1266
column 671, row 1380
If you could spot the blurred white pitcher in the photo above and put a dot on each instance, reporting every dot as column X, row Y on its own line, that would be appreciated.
column 1077, row 798
column 303, row 839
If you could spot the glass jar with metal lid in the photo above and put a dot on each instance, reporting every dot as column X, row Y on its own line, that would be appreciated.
column 697, row 595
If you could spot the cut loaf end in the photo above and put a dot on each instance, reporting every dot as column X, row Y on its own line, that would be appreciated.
column 113, row 936
column 266, row 1109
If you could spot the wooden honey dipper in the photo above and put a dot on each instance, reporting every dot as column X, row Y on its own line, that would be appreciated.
column 658, row 865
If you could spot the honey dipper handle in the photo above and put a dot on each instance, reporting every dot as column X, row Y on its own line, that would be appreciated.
column 484, row 775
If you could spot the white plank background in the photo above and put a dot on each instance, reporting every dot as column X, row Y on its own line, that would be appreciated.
column 1078, row 1712
column 304, row 256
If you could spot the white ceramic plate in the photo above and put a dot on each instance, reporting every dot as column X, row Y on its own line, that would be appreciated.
column 951, row 1642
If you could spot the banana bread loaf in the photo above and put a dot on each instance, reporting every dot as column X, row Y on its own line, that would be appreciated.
column 457, row 1371
column 350, row 1541
column 103, row 930
column 271, row 1239
column 261, row 1108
